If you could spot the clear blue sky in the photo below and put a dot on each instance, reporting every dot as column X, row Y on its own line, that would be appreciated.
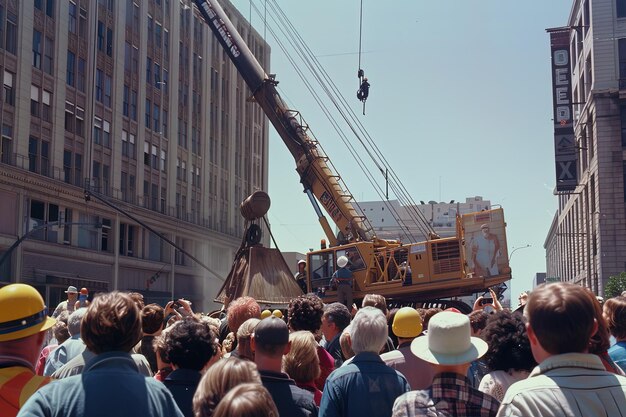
column 460, row 104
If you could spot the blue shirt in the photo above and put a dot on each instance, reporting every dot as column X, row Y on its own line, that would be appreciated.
column 364, row 387
column 110, row 385
column 344, row 276
column 617, row 352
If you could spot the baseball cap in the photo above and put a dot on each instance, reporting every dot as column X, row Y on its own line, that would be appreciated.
column 271, row 331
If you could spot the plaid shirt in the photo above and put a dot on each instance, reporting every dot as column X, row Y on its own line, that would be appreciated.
column 451, row 395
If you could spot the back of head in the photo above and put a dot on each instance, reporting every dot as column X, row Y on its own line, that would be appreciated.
column 111, row 323
column 377, row 301
column 339, row 314
column 190, row 344
column 240, row 310
column 478, row 320
column 301, row 363
column 271, row 336
column 60, row 332
column 345, row 342
column 23, row 312
column 138, row 299
column 509, row 348
column 220, row 378
column 74, row 321
column 428, row 314
column 247, row 400
column 561, row 316
column 369, row 330
column 615, row 309
column 305, row 313
column 152, row 317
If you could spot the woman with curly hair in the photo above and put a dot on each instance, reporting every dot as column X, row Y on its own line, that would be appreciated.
column 305, row 313
column 509, row 357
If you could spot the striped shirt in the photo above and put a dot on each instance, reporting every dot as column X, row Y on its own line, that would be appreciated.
column 451, row 395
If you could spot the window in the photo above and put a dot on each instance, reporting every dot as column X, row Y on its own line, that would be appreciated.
column 48, row 58
column 9, row 93
column 133, row 105
column 46, row 114
column 125, row 149
column 148, row 119
column 156, row 118
column 34, row 101
column 163, row 160
column 146, row 154
column 128, row 53
column 36, row 49
column 97, row 131
column 154, row 162
column 106, row 134
column 109, row 42
column 104, row 236
column 107, row 90
column 87, row 233
column 80, row 82
column 67, row 166
column 125, row 101
column 38, row 156
column 78, row 169
column 50, row 8
column 127, row 239
column 621, row 8
column 72, row 17
column 6, row 147
column 155, row 247
column 80, row 121
column 71, row 63
column 621, row 46
column 100, row 36
column 41, row 213
column 82, row 23
column 99, row 84
column 148, row 71
column 11, row 39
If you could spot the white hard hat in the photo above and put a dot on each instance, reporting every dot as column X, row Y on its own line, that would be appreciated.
column 342, row 261
column 301, row 261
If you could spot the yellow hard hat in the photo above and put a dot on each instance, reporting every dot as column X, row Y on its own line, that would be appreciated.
column 407, row 323
column 277, row 313
column 23, row 312
column 265, row 314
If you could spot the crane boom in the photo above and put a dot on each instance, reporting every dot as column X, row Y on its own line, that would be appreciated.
column 316, row 175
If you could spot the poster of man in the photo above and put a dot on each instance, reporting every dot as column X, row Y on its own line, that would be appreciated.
column 484, row 252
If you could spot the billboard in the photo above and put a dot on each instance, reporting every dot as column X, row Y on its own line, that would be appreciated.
column 565, row 149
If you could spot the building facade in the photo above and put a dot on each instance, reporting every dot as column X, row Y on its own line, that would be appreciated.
column 586, row 243
column 391, row 220
column 135, row 101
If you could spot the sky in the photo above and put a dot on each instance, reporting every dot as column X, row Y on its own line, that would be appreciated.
column 460, row 104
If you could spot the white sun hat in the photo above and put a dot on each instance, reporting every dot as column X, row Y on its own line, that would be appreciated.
column 449, row 341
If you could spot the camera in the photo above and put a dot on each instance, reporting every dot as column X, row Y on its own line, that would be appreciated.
column 486, row 300
column 176, row 305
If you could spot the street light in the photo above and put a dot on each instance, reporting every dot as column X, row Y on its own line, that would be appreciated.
column 518, row 248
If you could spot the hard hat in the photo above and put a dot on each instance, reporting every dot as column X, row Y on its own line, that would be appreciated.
column 84, row 291
column 301, row 261
column 342, row 261
column 277, row 313
column 23, row 312
column 265, row 314
column 407, row 323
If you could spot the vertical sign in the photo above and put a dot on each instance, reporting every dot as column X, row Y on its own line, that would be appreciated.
column 565, row 149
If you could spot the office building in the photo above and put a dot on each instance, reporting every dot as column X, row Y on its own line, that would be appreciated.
column 135, row 101
column 586, row 243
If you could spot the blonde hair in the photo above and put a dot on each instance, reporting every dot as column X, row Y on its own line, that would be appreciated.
column 302, row 363
column 220, row 378
column 247, row 400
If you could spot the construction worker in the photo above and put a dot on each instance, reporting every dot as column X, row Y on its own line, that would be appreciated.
column 301, row 275
column 23, row 325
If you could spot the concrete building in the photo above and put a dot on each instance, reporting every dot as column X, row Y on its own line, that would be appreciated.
column 586, row 242
column 136, row 101
column 441, row 216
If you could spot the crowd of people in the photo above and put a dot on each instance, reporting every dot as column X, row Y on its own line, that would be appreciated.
column 560, row 354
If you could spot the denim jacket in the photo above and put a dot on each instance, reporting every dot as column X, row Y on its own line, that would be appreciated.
column 364, row 387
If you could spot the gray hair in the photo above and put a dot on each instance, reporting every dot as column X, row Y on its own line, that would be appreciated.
column 369, row 330
column 73, row 322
